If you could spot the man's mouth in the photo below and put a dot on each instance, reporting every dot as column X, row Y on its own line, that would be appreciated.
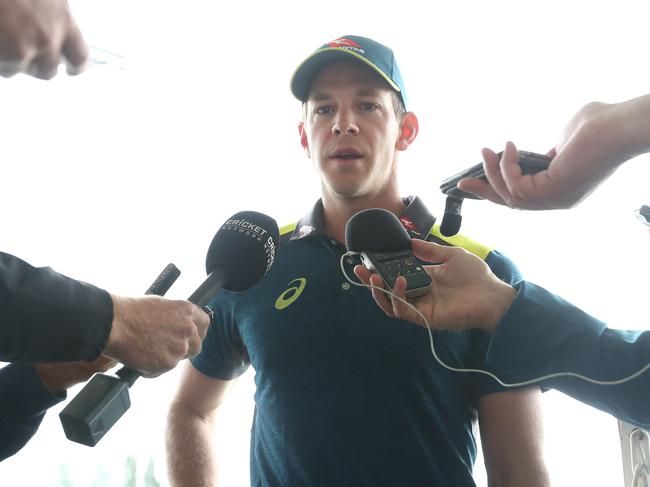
column 346, row 154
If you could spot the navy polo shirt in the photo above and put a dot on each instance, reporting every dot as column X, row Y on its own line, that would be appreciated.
column 345, row 395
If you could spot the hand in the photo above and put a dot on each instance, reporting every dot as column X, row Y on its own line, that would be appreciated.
column 152, row 334
column 35, row 34
column 59, row 376
column 464, row 294
column 595, row 142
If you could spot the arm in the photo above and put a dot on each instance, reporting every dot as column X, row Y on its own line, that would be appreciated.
column 190, row 427
column 47, row 317
column 511, row 436
column 535, row 333
column 35, row 34
column 542, row 334
column 29, row 391
column 599, row 138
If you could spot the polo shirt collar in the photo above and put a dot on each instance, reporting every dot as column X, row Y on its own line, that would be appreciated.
column 416, row 218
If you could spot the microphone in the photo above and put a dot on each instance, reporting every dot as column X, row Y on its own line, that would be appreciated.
column 385, row 248
column 104, row 399
column 240, row 254
column 452, row 218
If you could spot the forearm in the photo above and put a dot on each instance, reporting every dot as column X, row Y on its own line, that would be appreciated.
column 543, row 334
column 190, row 452
column 49, row 317
column 632, row 121
column 512, row 438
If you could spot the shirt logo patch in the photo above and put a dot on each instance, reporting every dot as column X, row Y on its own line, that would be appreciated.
column 290, row 295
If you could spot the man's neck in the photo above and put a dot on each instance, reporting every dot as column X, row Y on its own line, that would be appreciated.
column 337, row 211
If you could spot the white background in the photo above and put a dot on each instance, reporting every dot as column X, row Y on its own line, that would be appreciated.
column 109, row 176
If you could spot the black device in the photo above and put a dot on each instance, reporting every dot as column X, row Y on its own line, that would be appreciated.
column 240, row 254
column 385, row 248
column 530, row 163
column 104, row 399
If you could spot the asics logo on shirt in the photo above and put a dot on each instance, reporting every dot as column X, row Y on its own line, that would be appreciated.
column 290, row 295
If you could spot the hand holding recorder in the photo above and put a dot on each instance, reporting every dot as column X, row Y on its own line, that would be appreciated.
column 464, row 294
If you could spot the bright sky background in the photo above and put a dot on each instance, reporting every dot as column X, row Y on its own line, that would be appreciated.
column 109, row 176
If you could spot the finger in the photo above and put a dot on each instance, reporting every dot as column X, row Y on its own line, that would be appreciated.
column 380, row 297
column 44, row 66
column 511, row 170
column 194, row 346
column 431, row 252
column 363, row 274
column 75, row 50
column 9, row 69
column 492, row 166
column 400, row 308
column 480, row 188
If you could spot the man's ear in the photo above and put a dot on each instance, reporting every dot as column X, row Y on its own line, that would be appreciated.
column 408, row 131
column 303, row 138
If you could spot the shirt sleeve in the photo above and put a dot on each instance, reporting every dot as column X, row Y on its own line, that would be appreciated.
column 23, row 406
column 543, row 334
column 46, row 316
column 223, row 354
column 483, row 384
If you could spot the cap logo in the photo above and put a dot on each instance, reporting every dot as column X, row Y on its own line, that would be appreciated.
column 343, row 43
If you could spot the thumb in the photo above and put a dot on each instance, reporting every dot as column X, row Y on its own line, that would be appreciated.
column 431, row 252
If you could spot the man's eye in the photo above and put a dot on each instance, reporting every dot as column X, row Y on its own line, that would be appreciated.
column 368, row 106
column 323, row 110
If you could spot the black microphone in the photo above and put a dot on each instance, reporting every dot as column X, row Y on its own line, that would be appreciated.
column 104, row 399
column 452, row 218
column 240, row 254
column 385, row 248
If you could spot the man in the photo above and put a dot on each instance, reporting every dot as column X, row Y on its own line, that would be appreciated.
column 35, row 35
column 536, row 333
column 346, row 396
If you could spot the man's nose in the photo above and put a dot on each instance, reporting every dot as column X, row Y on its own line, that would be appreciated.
column 344, row 123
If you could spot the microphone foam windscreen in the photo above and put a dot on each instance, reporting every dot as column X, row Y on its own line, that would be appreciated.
column 244, row 249
column 450, row 224
column 452, row 218
column 376, row 230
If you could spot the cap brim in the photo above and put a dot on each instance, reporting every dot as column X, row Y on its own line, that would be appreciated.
column 304, row 74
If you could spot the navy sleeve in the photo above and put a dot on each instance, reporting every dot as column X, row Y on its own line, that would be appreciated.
column 48, row 317
column 223, row 354
column 483, row 384
column 543, row 334
column 22, row 407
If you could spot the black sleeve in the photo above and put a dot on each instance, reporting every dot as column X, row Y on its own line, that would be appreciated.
column 22, row 407
column 47, row 317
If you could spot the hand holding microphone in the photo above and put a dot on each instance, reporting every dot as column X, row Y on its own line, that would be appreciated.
column 241, row 253
column 152, row 334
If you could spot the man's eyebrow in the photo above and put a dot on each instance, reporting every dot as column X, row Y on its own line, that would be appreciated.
column 367, row 91
column 319, row 96
column 364, row 91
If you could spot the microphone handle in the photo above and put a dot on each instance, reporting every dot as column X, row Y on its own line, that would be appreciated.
column 159, row 287
column 209, row 288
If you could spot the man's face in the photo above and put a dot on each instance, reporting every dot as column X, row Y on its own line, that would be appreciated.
column 351, row 131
